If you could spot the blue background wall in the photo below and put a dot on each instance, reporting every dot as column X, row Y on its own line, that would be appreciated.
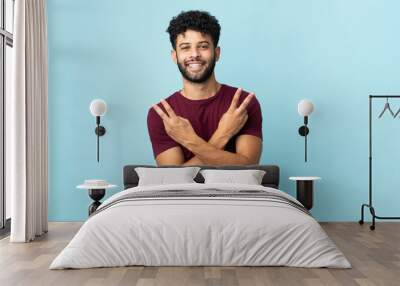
column 334, row 53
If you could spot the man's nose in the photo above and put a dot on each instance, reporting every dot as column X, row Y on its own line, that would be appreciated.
column 194, row 53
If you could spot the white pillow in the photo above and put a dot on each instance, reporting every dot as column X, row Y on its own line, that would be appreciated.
column 165, row 176
column 248, row 177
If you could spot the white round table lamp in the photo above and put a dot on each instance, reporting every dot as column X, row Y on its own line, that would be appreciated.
column 305, row 108
column 98, row 107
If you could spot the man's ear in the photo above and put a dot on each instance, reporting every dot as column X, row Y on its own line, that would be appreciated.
column 173, row 56
column 217, row 53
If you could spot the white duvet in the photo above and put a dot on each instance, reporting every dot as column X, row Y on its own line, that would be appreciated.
column 200, row 231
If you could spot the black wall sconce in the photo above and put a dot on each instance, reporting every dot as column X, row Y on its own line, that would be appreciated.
column 305, row 108
column 98, row 107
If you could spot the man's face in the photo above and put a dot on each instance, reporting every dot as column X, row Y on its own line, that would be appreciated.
column 195, row 56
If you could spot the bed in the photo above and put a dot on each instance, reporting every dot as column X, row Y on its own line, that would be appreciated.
column 201, row 224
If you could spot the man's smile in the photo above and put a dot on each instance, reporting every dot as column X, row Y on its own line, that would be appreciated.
column 194, row 66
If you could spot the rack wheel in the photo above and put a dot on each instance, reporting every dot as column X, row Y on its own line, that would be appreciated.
column 372, row 227
column 361, row 222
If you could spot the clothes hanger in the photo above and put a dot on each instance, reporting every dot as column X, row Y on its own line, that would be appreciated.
column 387, row 107
column 398, row 111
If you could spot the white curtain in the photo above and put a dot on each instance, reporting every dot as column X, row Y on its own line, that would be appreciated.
column 27, row 123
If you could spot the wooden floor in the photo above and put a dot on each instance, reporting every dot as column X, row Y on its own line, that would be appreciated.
column 374, row 255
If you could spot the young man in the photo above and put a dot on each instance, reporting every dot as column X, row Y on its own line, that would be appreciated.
column 205, row 123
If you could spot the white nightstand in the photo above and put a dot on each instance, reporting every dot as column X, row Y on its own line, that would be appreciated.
column 96, row 190
column 304, row 190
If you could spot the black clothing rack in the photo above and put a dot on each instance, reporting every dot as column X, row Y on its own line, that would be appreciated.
column 369, row 205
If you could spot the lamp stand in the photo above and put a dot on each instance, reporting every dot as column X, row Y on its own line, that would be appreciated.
column 303, row 131
column 100, row 131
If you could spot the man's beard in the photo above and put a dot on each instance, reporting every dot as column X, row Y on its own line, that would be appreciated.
column 199, row 78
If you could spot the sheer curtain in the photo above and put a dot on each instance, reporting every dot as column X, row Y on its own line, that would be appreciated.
column 27, row 123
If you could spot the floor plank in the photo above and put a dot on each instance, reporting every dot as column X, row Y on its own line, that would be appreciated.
column 374, row 255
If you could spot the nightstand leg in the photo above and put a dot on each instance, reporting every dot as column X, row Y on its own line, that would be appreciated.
column 96, row 195
column 93, row 207
column 304, row 190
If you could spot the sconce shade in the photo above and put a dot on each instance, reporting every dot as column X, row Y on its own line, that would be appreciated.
column 98, row 107
column 305, row 107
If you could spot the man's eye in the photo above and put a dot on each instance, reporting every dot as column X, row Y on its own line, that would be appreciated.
column 204, row 47
column 184, row 48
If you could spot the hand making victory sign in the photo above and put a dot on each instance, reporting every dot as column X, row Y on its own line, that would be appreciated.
column 234, row 119
column 181, row 130
column 178, row 128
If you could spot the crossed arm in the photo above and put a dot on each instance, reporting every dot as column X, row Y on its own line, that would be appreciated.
column 248, row 147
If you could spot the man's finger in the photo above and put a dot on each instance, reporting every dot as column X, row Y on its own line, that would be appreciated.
column 235, row 99
column 160, row 112
column 245, row 102
column 168, row 108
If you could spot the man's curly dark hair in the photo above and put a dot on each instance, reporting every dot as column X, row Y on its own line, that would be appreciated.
column 200, row 21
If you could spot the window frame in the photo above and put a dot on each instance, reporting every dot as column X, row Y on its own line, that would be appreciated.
column 6, row 39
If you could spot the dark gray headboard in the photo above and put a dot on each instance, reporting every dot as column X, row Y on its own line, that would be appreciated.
column 271, row 177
